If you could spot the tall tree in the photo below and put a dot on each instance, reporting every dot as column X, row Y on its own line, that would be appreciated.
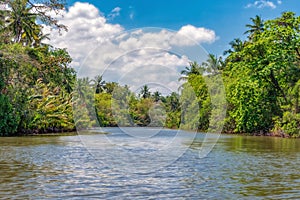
column 145, row 92
column 194, row 68
column 22, row 16
column 21, row 22
column 260, row 82
column 156, row 96
column 99, row 84
column 256, row 27
column 236, row 46
column 213, row 64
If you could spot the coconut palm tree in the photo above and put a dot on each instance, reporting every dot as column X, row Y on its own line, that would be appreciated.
column 21, row 22
column 255, row 28
column 156, row 96
column 83, row 87
column 145, row 92
column 99, row 84
column 194, row 68
column 213, row 64
column 236, row 46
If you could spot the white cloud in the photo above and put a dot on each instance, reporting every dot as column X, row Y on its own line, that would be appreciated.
column 86, row 27
column 116, row 10
column 114, row 13
column 262, row 4
column 200, row 35
column 139, row 56
column 279, row 2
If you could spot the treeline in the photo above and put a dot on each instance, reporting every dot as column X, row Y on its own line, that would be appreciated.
column 262, row 81
column 110, row 104
column 261, row 76
column 38, row 87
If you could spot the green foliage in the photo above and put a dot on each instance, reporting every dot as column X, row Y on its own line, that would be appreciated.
column 50, row 109
column 291, row 124
column 9, row 120
column 195, row 96
column 27, row 73
column 83, row 104
column 19, row 23
column 261, row 75
column 104, row 109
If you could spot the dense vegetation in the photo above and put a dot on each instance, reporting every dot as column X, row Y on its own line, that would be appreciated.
column 35, row 79
column 261, row 76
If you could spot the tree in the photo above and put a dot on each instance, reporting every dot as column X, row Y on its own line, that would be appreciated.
column 194, row 68
column 256, row 28
column 156, row 96
column 23, row 16
column 50, row 108
column 145, row 92
column 9, row 120
column 99, row 84
column 22, row 22
column 110, row 87
column 213, row 64
column 236, row 46
column 260, row 76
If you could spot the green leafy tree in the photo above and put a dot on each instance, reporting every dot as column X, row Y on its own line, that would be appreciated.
column 259, row 76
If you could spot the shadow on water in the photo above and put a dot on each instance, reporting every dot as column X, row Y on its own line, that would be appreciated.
column 253, row 144
column 256, row 166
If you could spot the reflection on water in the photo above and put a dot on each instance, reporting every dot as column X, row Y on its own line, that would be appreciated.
column 239, row 167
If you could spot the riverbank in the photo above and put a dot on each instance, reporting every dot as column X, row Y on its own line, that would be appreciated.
column 57, row 132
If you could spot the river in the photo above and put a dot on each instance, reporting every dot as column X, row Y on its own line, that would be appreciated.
column 167, row 167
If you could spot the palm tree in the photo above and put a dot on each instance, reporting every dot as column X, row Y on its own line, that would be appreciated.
column 83, row 87
column 194, row 68
column 110, row 87
column 21, row 22
column 145, row 92
column 255, row 28
column 156, row 96
column 99, row 84
column 213, row 64
column 173, row 102
column 236, row 46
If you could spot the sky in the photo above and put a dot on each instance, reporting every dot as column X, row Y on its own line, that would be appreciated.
column 113, row 38
column 226, row 18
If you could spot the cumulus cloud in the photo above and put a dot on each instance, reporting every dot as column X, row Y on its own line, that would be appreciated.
column 262, row 4
column 130, row 57
column 199, row 35
column 86, row 27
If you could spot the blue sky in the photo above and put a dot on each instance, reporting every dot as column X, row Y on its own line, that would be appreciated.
column 226, row 18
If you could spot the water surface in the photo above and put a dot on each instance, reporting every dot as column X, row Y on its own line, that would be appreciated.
column 239, row 167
